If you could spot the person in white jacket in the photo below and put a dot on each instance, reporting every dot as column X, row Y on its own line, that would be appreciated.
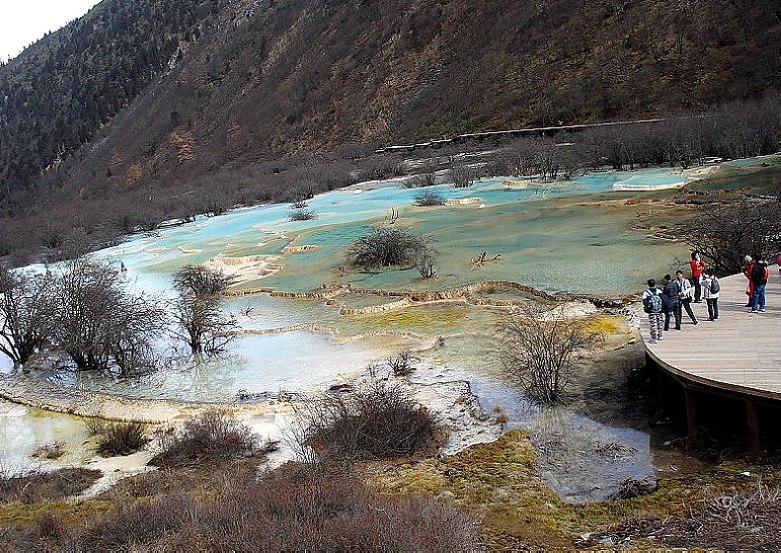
column 685, row 295
column 709, row 284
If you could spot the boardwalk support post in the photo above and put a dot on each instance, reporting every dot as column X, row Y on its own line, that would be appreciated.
column 752, row 418
column 692, row 424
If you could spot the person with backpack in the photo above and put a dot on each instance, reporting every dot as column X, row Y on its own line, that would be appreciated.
column 685, row 295
column 670, row 305
column 759, row 276
column 652, row 304
column 711, row 287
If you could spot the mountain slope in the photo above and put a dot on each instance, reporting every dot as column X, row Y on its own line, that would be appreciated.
column 144, row 94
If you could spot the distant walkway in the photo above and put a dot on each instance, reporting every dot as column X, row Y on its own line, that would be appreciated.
column 493, row 135
column 741, row 352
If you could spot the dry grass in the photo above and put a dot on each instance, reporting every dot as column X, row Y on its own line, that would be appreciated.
column 46, row 485
column 288, row 510
column 734, row 522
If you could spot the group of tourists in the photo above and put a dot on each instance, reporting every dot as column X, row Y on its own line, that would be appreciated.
column 668, row 301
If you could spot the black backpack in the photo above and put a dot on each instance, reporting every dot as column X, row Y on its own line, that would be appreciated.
column 653, row 303
column 714, row 286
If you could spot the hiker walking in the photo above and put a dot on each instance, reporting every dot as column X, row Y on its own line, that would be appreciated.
column 759, row 276
column 697, row 265
column 670, row 304
column 652, row 304
column 685, row 295
column 711, row 287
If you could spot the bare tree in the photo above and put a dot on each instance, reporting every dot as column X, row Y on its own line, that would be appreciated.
column 537, row 350
column 461, row 172
column 201, row 281
column 197, row 312
column 99, row 324
column 25, row 322
column 725, row 233
column 427, row 175
column 202, row 325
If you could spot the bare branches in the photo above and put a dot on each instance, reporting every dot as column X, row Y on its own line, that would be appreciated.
column 724, row 234
column 201, row 281
column 99, row 324
column 201, row 324
column 25, row 323
column 462, row 173
column 538, row 349
column 383, row 421
column 386, row 247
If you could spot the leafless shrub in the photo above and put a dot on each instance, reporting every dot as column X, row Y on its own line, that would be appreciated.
column 383, row 421
column 424, row 262
column 537, row 350
column 429, row 198
column 401, row 364
column 300, row 214
column 122, row 438
column 50, row 451
column 46, row 485
column 386, row 247
column 213, row 436
column 426, row 177
column 383, row 169
column 138, row 525
column 287, row 510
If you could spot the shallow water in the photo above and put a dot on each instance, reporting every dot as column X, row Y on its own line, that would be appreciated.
column 298, row 361
column 581, row 459
column 540, row 236
column 23, row 430
column 567, row 236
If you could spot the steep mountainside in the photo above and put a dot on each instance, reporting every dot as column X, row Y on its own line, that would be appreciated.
column 140, row 94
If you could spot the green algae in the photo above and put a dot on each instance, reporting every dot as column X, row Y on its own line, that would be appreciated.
column 500, row 482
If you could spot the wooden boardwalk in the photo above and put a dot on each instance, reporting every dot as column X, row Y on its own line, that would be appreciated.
column 739, row 353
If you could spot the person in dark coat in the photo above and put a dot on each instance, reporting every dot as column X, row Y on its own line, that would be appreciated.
column 670, row 289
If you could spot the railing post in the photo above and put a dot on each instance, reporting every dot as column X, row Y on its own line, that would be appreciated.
column 752, row 418
column 692, row 424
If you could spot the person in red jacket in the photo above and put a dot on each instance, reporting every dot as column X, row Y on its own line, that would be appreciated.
column 697, row 266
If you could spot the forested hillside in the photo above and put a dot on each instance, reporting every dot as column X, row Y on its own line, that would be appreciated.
column 158, row 99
